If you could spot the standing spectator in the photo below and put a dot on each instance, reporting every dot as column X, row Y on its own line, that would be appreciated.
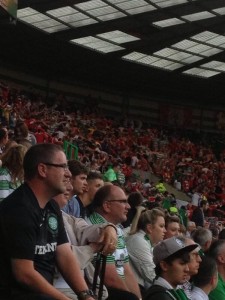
column 198, row 215
column 172, row 226
column 203, row 237
column 33, row 238
column 3, row 139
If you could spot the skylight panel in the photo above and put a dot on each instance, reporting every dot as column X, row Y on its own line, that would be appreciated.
column 198, row 16
column 211, row 52
column 185, row 44
column 139, row 10
column 134, row 56
column 89, row 5
column 168, row 3
column 94, row 43
column 112, row 16
column 25, row 12
column 40, row 21
column 168, row 22
column 148, row 60
column 100, row 10
column 216, row 65
column 166, row 52
column 220, row 11
column 219, row 41
column 85, row 22
column 204, row 36
column 201, row 72
column 62, row 11
column 53, row 29
column 118, row 37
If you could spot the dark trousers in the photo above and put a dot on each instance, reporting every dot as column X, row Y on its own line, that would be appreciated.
column 32, row 296
column 116, row 294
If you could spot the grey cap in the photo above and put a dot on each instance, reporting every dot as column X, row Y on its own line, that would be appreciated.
column 168, row 247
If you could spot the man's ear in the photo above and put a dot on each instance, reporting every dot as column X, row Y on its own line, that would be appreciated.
column 42, row 168
column 164, row 266
column 106, row 206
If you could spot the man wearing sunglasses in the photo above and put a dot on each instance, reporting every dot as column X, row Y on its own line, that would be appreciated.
column 110, row 205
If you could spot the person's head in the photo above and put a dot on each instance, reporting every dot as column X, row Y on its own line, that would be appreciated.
column 217, row 252
column 204, row 205
column 195, row 258
column 94, row 182
column 46, row 165
column 79, row 176
column 63, row 198
column 172, row 224
column 207, row 276
column 3, row 136
column 110, row 201
column 191, row 226
column 203, row 237
column 171, row 258
column 153, row 223
column 21, row 130
column 135, row 199
column 12, row 159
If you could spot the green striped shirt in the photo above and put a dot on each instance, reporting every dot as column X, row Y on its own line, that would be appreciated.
column 120, row 256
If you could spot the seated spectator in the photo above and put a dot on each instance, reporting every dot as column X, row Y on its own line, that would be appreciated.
column 150, row 230
column 205, row 281
column 191, row 226
column 11, row 172
column 110, row 205
column 85, row 241
column 203, row 237
column 21, row 131
column 217, row 252
column 171, row 257
column 75, row 206
column 172, row 226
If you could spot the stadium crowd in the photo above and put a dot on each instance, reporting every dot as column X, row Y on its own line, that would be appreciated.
column 105, row 201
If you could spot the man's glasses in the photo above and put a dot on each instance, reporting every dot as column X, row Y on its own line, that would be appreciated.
column 63, row 166
column 123, row 201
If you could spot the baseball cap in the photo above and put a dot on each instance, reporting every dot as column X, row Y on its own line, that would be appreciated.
column 170, row 246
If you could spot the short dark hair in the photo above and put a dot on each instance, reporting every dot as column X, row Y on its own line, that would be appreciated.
column 207, row 269
column 94, row 175
column 37, row 154
column 76, row 167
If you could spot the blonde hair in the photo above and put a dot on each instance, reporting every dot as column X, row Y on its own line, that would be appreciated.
column 12, row 159
column 149, row 217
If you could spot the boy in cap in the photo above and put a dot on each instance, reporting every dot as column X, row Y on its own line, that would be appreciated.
column 171, row 257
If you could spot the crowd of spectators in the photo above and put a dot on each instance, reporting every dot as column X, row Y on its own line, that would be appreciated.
column 162, row 248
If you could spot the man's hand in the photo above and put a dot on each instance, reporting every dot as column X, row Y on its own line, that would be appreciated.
column 108, row 240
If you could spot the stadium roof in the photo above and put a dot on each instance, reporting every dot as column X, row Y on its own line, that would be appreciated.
column 171, row 49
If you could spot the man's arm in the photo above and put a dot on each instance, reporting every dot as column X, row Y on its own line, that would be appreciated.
column 112, row 279
column 25, row 273
column 131, row 281
column 70, row 269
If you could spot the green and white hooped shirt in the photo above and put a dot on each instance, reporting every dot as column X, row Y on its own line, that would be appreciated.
column 120, row 256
